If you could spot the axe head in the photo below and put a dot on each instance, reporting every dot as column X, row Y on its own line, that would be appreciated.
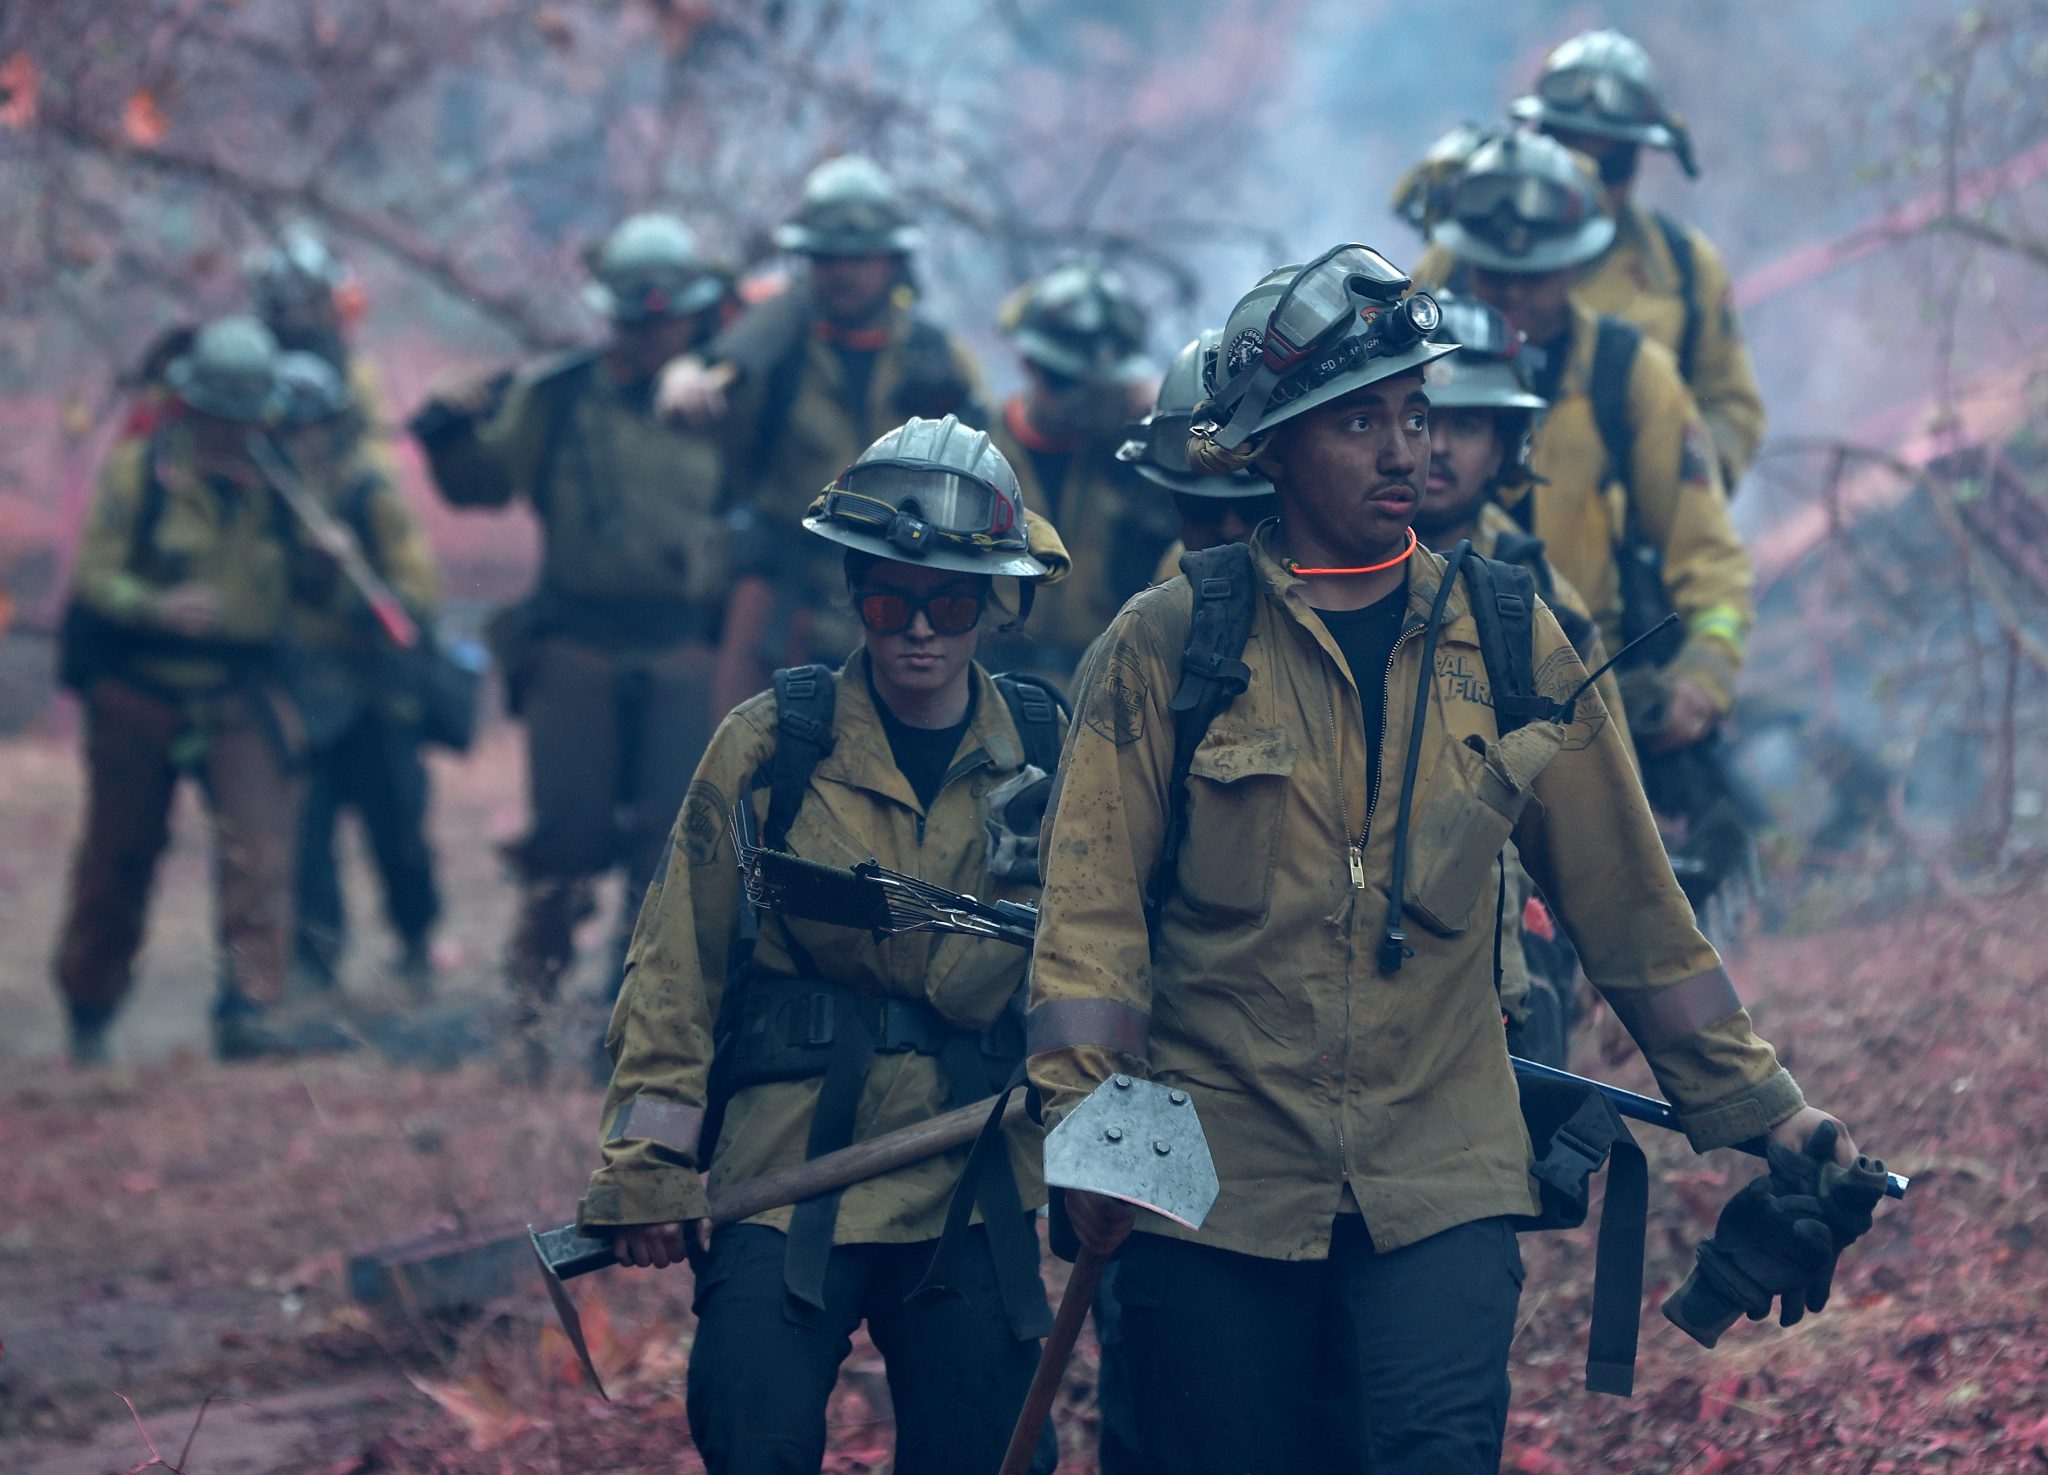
column 1138, row 1141
column 565, row 1312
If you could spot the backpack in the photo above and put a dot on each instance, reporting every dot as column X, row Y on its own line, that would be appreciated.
column 1645, row 602
column 1574, row 1130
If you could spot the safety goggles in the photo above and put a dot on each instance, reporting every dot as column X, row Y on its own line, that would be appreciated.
column 1529, row 199
column 1612, row 97
column 913, row 505
column 889, row 612
column 1161, row 440
column 1479, row 331
column 1322, row 299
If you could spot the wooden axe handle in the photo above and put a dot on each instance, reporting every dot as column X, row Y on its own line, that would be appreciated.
column 1052, row 1362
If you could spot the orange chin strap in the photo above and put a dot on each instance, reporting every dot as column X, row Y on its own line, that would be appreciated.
column 1371, row 568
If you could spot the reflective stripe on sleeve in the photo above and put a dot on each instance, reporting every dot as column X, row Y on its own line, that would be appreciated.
column 1722, row 622
column 1063, row 1024
column 651, row 1119
column 1660, row 1017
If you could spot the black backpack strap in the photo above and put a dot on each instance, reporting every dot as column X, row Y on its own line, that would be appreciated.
column 1036, row 706
column 1614, row 360
column 1574, row 1132
column 1678, row 241
column 1213, row 675
column 1504, row 609
column 805, row 697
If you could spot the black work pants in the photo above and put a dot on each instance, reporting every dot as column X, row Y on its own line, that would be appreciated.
column 374, row 768
column 759, row 1379
column 1391, row 1363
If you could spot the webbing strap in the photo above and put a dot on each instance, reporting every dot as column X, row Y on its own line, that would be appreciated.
column 1504, row 609
column 1618, row 1271
column 1393, row 949
column 1035, row 707
column 832, row 1123
column 1679, row 244
column 804, row 700
column 1213, row 674
column 1615, row 344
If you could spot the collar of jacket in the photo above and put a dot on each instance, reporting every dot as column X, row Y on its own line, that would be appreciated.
column 1425, row 574
column 860, row 756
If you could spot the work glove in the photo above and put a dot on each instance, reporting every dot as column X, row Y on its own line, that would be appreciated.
column 1016, row 811
column 1779, row 1239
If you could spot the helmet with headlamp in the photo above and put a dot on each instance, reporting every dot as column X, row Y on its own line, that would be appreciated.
column 1526, row 204
column 935, row 493
column 1306, row 335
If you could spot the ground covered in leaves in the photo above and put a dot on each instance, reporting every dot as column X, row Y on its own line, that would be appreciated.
column 172, row 1231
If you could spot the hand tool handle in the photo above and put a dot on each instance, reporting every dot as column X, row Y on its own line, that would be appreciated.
column 1052, row 1362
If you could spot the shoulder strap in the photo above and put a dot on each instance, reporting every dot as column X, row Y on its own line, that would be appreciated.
column 805, row 697
column 1614, row 361
column 1036, row 707
column 1678, row 241
column 1213, row 675
column 1527, row 550
column 1504, row 608
column 149, row 511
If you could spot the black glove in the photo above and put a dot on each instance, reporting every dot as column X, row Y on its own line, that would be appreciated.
column 1779, row 1239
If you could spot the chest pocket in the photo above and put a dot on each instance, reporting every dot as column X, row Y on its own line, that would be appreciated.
column 1477, row 795
column 1237, row 793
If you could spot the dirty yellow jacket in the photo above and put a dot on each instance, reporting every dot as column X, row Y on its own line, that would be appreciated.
column 630, row 505
column 1319, row 1080
column 1637, row 279
column 859, row 806
column 233, row 535
column 1580, row 509
column 1115, row 524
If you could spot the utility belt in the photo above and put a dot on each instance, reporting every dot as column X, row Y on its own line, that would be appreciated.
column 789, row 1029
column 792, row 1029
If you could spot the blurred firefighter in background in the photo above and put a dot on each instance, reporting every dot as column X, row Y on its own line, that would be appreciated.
column 362, row 710
column 180, row 607
column 796, row 389
column 306, row 297
column 1626, row 492
column 608, row 661
column 1598, row 95
column 1080, row 333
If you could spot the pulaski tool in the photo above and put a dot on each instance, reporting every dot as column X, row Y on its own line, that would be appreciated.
column 567, row 1252
column 1134, row 1140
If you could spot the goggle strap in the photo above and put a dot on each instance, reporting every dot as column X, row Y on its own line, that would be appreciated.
column 1244, row 420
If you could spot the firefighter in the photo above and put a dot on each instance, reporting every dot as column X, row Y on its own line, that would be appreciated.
column 1080, row 333
column 1294, row 923
column 180, row 605
column 803, row 1038
column 362, row 711
column 609, row 660
column 798, row 387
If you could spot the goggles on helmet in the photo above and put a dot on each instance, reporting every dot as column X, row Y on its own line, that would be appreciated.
column 1528, row 199
column 914, row 505
column 1612, row 96
column 1322, row 298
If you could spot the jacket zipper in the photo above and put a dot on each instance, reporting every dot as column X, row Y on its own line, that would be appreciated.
column 1355, row 846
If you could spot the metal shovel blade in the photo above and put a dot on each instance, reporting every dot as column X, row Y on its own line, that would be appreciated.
column 1138, row 1141
column 565, row 1312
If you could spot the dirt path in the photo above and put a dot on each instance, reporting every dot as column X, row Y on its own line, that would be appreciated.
column 171, row 1229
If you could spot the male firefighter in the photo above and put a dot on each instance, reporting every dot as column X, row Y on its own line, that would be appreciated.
column 1080, row 332
column 609, row 660
column 361, row 707
column 804, row 1038
column 798, row 387
column 180, row 603
column 1598, row 95
column 1296, row 926
column 1625, row 494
